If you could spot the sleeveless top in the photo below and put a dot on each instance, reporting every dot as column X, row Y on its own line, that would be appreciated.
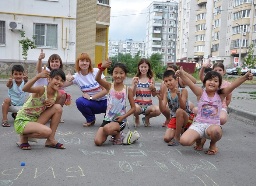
column 173, row 104
column 116, row 103
column 35, row 106
column 17, row 95
column 143, row 94
column 209, row 109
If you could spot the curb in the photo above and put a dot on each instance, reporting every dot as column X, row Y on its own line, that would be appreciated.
column 243, row 113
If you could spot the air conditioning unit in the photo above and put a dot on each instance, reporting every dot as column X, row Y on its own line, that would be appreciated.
column 15, row 25
column 244, row 33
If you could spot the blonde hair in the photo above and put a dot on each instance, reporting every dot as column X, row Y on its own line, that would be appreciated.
column 83, row 56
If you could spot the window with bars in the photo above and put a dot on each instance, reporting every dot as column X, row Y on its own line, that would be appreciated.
column 2, row 32
column 45, row 35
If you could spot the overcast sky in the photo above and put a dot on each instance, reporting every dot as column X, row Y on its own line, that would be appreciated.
column 128, row 19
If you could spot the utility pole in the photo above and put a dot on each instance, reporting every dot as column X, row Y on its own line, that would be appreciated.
column 240, row 43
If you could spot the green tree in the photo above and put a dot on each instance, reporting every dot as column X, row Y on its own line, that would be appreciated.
column 249, row 60
column 156, row 64
column 26, row 44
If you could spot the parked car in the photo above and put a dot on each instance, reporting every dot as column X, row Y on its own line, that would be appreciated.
column 245, row 69
column 232, row 71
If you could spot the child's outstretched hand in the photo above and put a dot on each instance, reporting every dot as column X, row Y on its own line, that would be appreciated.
column 42, row 55
column 44, row 73
column 135, row 81
column 207, row 63
column 9, row 82
column 69, row 77
column 249, row 75
column 106, row 64
column 159, row 95
column 179, row 72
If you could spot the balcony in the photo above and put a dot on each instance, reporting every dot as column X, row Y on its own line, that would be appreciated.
column 157, row 24
column 156, row 45
column 198, row 53
column 156, row 38
column 200, row 2
column 156, row 31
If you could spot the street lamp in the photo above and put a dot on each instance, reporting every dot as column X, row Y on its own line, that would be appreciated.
column 240, row 44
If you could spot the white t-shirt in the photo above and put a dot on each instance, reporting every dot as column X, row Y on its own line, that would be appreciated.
column 42, row 81
column 88, row 84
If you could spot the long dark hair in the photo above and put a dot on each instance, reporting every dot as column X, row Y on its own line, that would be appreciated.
column 149, row 73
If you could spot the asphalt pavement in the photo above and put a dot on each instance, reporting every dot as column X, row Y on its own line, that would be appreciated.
column 147, row 162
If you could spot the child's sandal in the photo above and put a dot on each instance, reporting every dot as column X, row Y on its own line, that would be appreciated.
column 5, row 124
column 118, row 141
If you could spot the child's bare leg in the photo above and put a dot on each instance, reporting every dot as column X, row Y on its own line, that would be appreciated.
column 181, row 120
column 54, row 113
column 215, row 134
column 189, row 137
column 100, row 137
column 200, row 144
column 136, row 115
column 169, row 134
column 35, row 130
column 113, row 129
column 151, row 111
column 5, row 106
column 166, row 114
column 223, row 117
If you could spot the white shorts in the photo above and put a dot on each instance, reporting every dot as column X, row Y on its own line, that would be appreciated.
column 14, row 109
column 201, row 129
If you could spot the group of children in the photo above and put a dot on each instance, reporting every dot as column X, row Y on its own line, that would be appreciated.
column 185, row 123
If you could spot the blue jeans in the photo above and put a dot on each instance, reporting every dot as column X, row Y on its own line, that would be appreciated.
column 91, row 107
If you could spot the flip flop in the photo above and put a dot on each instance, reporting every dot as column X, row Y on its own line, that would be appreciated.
column 173, row 142
column 211, row 151
column 57, row 146
column 89, row 124
column 24, row 146
column 5, row 124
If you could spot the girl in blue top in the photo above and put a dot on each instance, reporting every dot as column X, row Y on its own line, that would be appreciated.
column 115, row 117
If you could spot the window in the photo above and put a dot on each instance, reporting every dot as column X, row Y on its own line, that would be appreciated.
column 2, row 32
column 105, row 2
column 199, row 48
column 45, row 35
column 242, row 14
column 199, row 37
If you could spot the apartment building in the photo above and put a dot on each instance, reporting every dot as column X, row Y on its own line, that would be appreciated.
column 161, row 30
column 65, row 27
column 126, row 47
column 222, row 30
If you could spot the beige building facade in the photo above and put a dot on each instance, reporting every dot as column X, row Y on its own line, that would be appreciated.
column 92, row 26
